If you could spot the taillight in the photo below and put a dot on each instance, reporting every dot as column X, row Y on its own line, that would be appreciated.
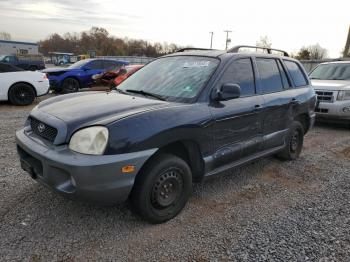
column 45, row 76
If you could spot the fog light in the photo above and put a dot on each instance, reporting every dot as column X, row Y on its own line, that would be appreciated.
column 346, row 109
column 72, row 180
column 128, row 169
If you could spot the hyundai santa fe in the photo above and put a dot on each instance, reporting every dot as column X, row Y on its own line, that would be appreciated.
column 181, row 118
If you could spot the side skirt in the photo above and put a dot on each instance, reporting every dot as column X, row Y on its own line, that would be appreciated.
column 243, row 161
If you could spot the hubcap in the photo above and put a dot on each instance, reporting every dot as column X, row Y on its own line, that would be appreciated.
column 167, row 189
column 23, row 95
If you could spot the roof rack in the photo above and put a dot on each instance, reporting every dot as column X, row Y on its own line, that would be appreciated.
column 194, row 48
column 236, row 49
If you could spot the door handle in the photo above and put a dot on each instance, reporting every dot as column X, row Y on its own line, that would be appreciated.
column 295, row 101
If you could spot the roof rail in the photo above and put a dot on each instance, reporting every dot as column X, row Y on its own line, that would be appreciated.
column 193, row 49
column 268, row 49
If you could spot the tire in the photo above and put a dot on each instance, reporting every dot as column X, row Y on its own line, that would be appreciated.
column 70, row 85
column 294, row 142
column 162, row 189
column 21, row 94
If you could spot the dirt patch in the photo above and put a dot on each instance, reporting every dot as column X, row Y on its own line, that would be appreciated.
column 345, row 153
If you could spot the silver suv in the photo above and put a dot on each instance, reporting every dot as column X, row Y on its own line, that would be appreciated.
column 331, row 82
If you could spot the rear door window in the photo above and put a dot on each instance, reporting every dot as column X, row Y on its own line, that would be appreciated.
column 296, row 73
column 270, row 77
column 285, row 81
column 241, row 72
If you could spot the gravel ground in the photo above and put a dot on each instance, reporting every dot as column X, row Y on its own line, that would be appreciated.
column 268, row 210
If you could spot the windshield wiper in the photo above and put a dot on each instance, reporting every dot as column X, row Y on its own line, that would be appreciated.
column 145, row 93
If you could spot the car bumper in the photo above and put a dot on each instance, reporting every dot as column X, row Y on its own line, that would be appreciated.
column 339, row 111
column 94, row 179
column 42, row 88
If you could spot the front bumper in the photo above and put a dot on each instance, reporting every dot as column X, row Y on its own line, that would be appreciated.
column 95, row 179
column 333, row 112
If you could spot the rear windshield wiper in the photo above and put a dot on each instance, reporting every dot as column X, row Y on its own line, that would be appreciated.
column 145, row 93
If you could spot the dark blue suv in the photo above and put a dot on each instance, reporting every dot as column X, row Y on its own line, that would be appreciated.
column 79, row 75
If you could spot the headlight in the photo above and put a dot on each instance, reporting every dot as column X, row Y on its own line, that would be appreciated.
column 91, row 140
column 344, row 95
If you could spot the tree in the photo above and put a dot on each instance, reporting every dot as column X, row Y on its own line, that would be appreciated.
column 317, row 52
column 312, row 52
column 303, row 54
column 99, row 40
column 264, row 41
column 5, row 36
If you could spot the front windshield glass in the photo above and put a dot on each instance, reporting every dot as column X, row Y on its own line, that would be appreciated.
column 178, row 78
column 331, row 72
column 78, row 64
column 2, row 58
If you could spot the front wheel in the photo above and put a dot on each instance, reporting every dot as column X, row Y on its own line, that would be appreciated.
column 162, row 189
column 70, row 85
column 21, row 94
column 294, row 142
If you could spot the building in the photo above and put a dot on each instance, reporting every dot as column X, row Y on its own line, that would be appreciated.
column 15, row 47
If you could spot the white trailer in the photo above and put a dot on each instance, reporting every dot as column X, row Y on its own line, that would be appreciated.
column 15, row 47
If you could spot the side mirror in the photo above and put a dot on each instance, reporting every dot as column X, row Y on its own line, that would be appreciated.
column 227, row 92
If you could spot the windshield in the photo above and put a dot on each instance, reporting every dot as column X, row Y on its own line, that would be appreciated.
column 331, row 72
column 2, row 57
column 79, row 64
column 178, row 78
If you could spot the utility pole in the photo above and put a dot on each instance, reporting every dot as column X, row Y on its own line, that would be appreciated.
column 228, row 40
column 347, row 46
column 211, row 39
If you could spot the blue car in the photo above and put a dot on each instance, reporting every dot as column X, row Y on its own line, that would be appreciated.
column 79, row 75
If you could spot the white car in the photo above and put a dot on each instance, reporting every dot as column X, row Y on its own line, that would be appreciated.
column 21, row 87
column 331, row 82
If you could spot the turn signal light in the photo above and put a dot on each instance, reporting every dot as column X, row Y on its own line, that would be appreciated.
column 128, row 169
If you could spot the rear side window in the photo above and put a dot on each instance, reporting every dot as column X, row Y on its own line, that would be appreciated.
column 284, row 77
column 111, row 65
column 97, row 64
column 269, row 75
column 241, row 72
column 296, row 73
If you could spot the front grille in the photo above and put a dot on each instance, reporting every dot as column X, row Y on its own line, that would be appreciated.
column 43, row 130
column 325, row 96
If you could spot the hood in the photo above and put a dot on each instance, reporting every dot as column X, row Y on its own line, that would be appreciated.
column 91, row 108
column 335, row 85
column 56, row 69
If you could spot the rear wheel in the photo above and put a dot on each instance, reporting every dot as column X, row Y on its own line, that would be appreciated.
column 162, row 189
column 70, row 85
column 294, row 142
column 21, row 94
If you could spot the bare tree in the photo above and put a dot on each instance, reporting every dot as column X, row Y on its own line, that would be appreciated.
column 317, row 52
column 264, row 41
column 5, row 36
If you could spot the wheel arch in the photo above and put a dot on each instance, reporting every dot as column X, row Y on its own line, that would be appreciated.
column 74, row 77
column 21, row 82
column 188, row 151
column 304, row 120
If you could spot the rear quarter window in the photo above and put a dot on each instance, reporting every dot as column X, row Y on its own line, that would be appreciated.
column 296, row 73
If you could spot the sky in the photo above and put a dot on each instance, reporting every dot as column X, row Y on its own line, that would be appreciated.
column 289, row 25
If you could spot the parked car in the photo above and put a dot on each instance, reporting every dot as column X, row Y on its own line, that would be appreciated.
column 127, row 72
column 26, row 62
column 79, row 75
column 181, row 118
column 21, row 87
column 114, row 77
column 332, row 85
